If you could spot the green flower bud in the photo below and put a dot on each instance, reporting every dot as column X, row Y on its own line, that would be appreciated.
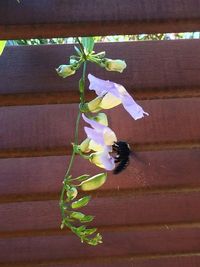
column 101, row 118
column 65, row 70
column 77, row 215
column 72, row 193
column 84, row 146
column 81, row 202
column 94, row 182
column 115, row 64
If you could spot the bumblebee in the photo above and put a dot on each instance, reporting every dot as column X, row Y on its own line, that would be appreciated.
column 123, row 152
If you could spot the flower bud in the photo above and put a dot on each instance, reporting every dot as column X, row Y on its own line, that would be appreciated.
column 65, row 70
column 94, row 182
column 84, row 146
column 77, row 215
column 101, row 118
column 115, row 64
column 72, row 193
column 81, row 202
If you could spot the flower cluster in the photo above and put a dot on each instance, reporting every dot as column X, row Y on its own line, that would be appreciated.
column 100, row 140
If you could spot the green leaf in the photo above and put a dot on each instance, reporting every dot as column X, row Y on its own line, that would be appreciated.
column 2, row 45
column 81, row 202
column 88, row 43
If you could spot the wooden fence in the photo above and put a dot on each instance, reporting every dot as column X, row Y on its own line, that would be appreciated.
column 148, row 214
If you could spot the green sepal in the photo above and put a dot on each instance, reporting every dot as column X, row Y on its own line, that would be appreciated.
column 81, row 202
column 95, row 241
column 82, row 177
column 90, row 231
column 88, row 43
column 78, row 51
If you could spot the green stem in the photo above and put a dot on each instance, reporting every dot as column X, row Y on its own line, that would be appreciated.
column 82, row 97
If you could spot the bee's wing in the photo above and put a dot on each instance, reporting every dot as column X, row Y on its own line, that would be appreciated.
column 135, row 155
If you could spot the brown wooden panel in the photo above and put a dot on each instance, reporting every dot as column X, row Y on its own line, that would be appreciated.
column 28, row 72
column 34, row 178
column 75, row 18
column 51, row 126
column 154, row 261
column 118, row 208
column 117, row 243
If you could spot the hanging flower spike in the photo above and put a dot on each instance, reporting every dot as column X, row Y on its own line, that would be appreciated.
column 113, row 94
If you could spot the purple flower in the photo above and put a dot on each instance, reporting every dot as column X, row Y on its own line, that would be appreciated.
column 112, row 94
column 103, row 159
column 101, row 138
column 99, row 133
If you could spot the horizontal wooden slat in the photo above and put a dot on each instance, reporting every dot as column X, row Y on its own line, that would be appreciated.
column 172, row 260
column 123, row 209
column 75, row 18
column 174, row 71
column 152, row 261
column 130, row 243
column 34, row 178
column 52, row 126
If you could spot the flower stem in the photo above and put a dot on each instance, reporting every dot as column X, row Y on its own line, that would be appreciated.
column 82, row 98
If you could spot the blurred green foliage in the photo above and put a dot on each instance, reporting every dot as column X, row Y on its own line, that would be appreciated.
column 115, row 38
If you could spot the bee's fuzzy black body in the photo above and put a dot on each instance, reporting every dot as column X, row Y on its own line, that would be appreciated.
column 123, row 152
